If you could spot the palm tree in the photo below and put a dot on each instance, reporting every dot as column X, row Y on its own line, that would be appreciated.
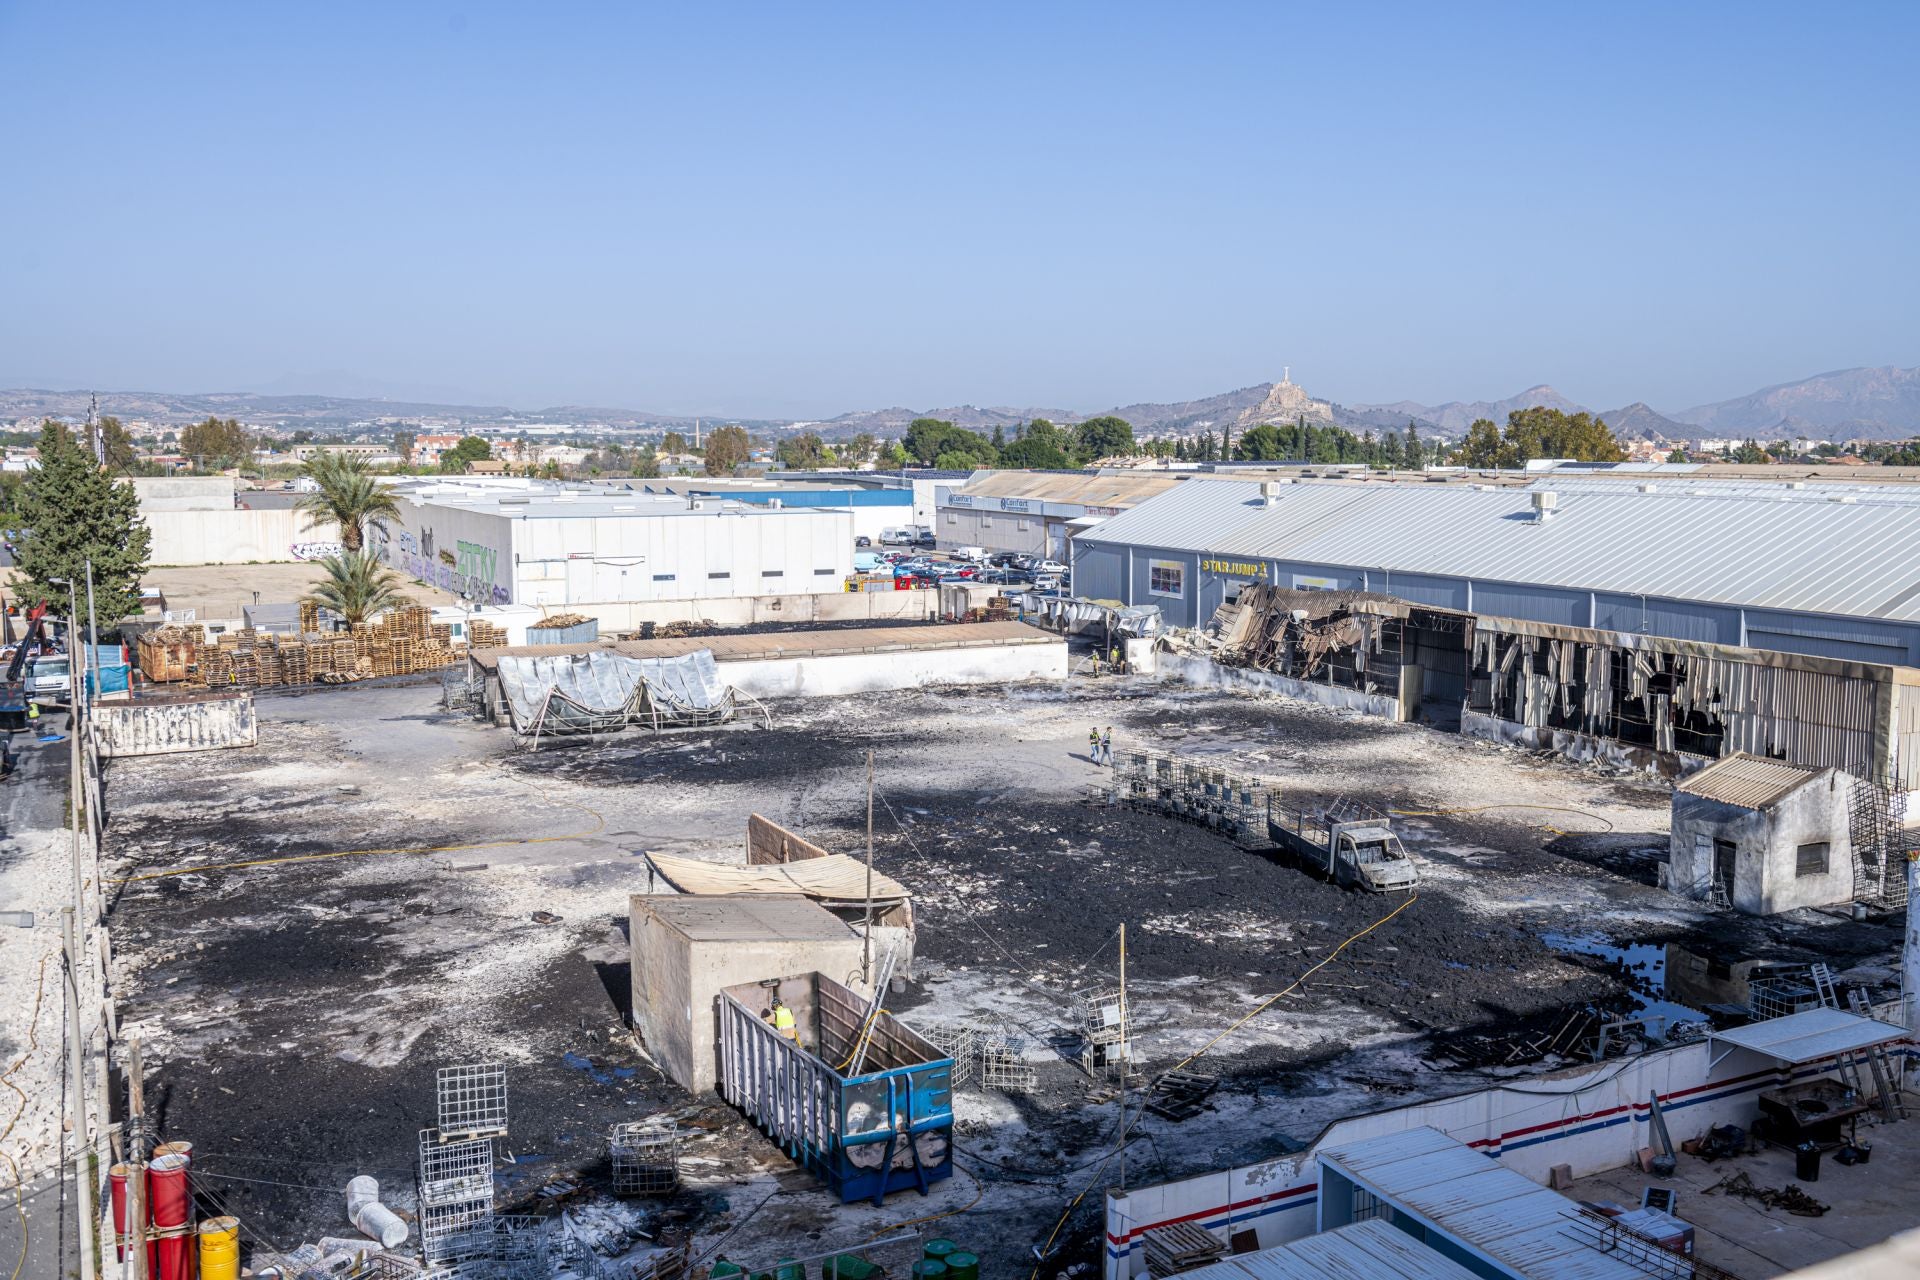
column 357, row 586
column 347, row 496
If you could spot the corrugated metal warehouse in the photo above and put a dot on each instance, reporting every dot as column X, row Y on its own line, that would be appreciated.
column 1036, row 512
column 1583, row 602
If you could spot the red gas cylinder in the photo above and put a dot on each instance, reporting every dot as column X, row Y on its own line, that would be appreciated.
column 173, row 1257
column 117, row 1178
column 172, row 1202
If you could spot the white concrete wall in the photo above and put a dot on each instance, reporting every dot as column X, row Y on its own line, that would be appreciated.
column 466, row 552
column 829, row 676
column 1594, row 1118
column 184, row 493
column 163, row 728
column 836, row 606
column 234, row 537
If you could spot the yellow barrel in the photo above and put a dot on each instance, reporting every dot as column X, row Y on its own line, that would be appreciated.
column 220, row 1249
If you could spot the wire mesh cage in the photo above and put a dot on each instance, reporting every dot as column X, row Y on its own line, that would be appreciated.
column 645, row 1155
column 473, row 1100
column 458, row 1232
column 1003, row 1062
column 958, row 1043
column 452, row 1172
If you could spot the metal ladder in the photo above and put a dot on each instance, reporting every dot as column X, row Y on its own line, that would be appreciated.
column 1885, row 1077
column 882, row 978
column 1885, row 1096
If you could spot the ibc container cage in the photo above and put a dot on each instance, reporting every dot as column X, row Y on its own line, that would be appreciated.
column 579, row 633
column 887, row 1126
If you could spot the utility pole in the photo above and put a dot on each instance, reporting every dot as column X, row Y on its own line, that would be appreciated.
column 136, row 1164
column 1126, row 1056
column 866, row 936
column 83, row 1173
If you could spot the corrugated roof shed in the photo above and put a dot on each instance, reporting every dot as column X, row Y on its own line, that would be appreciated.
column 1815, row 557
column 1752, row 782
column 1364, row 1251
column 1519, row 1226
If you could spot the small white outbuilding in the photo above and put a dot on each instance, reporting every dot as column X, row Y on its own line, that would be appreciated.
column 1762, row 835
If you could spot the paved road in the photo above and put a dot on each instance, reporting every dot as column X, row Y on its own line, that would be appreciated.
column 37, row 1217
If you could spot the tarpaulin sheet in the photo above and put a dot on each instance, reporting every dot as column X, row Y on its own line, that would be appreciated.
column 607, row 685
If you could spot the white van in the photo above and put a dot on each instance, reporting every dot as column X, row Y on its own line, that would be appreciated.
column 896, row 537
column 976, row 554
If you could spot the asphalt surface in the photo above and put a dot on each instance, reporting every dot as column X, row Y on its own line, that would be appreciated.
column 37, row 1227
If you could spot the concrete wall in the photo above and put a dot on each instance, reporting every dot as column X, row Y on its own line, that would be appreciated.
column 836, row 674
column 1594, row 1118
column 1766, row 877
column 145, row 728
column 676, row 983
column 1210, row 674
column 237, row 537
column 184, row 493
column 740, row 611
column 994, row 530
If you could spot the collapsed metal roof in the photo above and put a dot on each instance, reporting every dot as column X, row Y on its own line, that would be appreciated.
column 1818, row 556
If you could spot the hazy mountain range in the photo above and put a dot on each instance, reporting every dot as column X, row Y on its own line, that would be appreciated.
column 1866, row 403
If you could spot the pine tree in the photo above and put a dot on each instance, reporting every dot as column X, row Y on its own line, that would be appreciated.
column 71, row 512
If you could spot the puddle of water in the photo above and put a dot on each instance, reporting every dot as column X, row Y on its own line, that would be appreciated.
column 1646, row 965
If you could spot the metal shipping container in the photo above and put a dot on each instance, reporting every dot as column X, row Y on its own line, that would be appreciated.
column 885, row 1127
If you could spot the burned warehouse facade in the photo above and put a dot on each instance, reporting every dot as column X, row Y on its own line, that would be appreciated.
column 1660, row 625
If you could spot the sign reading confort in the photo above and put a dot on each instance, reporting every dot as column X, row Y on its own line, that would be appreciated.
column 1234, row 568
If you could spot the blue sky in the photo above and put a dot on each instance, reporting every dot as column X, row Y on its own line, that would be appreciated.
column 792, row 210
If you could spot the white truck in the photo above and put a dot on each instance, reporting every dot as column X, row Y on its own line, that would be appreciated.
column 1351, row 843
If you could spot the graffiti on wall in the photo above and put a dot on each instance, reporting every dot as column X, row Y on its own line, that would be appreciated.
column 315, row 550
column 468, row 575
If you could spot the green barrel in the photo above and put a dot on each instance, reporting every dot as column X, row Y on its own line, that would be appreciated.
column 847, row 1266
column 937, row 1250
column 928, row 1269
column 725, row 1268
column 788, row 1269
column 962, row 1266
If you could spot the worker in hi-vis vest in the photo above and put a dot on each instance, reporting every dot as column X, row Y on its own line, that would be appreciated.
column 783, row 1024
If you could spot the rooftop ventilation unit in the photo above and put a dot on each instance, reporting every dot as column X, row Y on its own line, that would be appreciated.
column 1545, row 504
column 1269, row 492
column 1847, row 498
column 1649, row 488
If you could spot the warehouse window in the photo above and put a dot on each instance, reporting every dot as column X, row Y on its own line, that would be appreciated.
column 953, row 517
column 719, row 575
column 1167, row 578
column 823, row 573
column 663, row 577
column 773, row 573
column 1021, row 525
column 1811, row 859
column 986, row 522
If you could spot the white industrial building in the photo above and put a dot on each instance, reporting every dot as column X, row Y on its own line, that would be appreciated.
column 610, row 554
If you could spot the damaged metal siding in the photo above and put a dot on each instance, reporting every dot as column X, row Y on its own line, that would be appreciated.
column 161, row 726
column 1675, row 696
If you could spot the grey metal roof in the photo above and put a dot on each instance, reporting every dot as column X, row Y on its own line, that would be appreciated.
column 1851, row 559
column 754, row 917
column 1810, row 1035
column 1371, row 1250
column 1479, row 1203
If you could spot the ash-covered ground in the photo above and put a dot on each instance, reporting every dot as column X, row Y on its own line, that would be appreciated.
column 293, row 1013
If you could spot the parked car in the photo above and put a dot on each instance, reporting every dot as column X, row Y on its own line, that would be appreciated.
column 863, row 541
column 1051, row 566
column 925, row 539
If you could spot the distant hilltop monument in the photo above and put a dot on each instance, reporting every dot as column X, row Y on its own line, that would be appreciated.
column 1287, row 401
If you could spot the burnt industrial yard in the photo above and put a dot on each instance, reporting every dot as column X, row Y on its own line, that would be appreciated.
column 306, row 931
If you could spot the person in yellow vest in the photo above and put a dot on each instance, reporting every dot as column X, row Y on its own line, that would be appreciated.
column 783, row 1023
